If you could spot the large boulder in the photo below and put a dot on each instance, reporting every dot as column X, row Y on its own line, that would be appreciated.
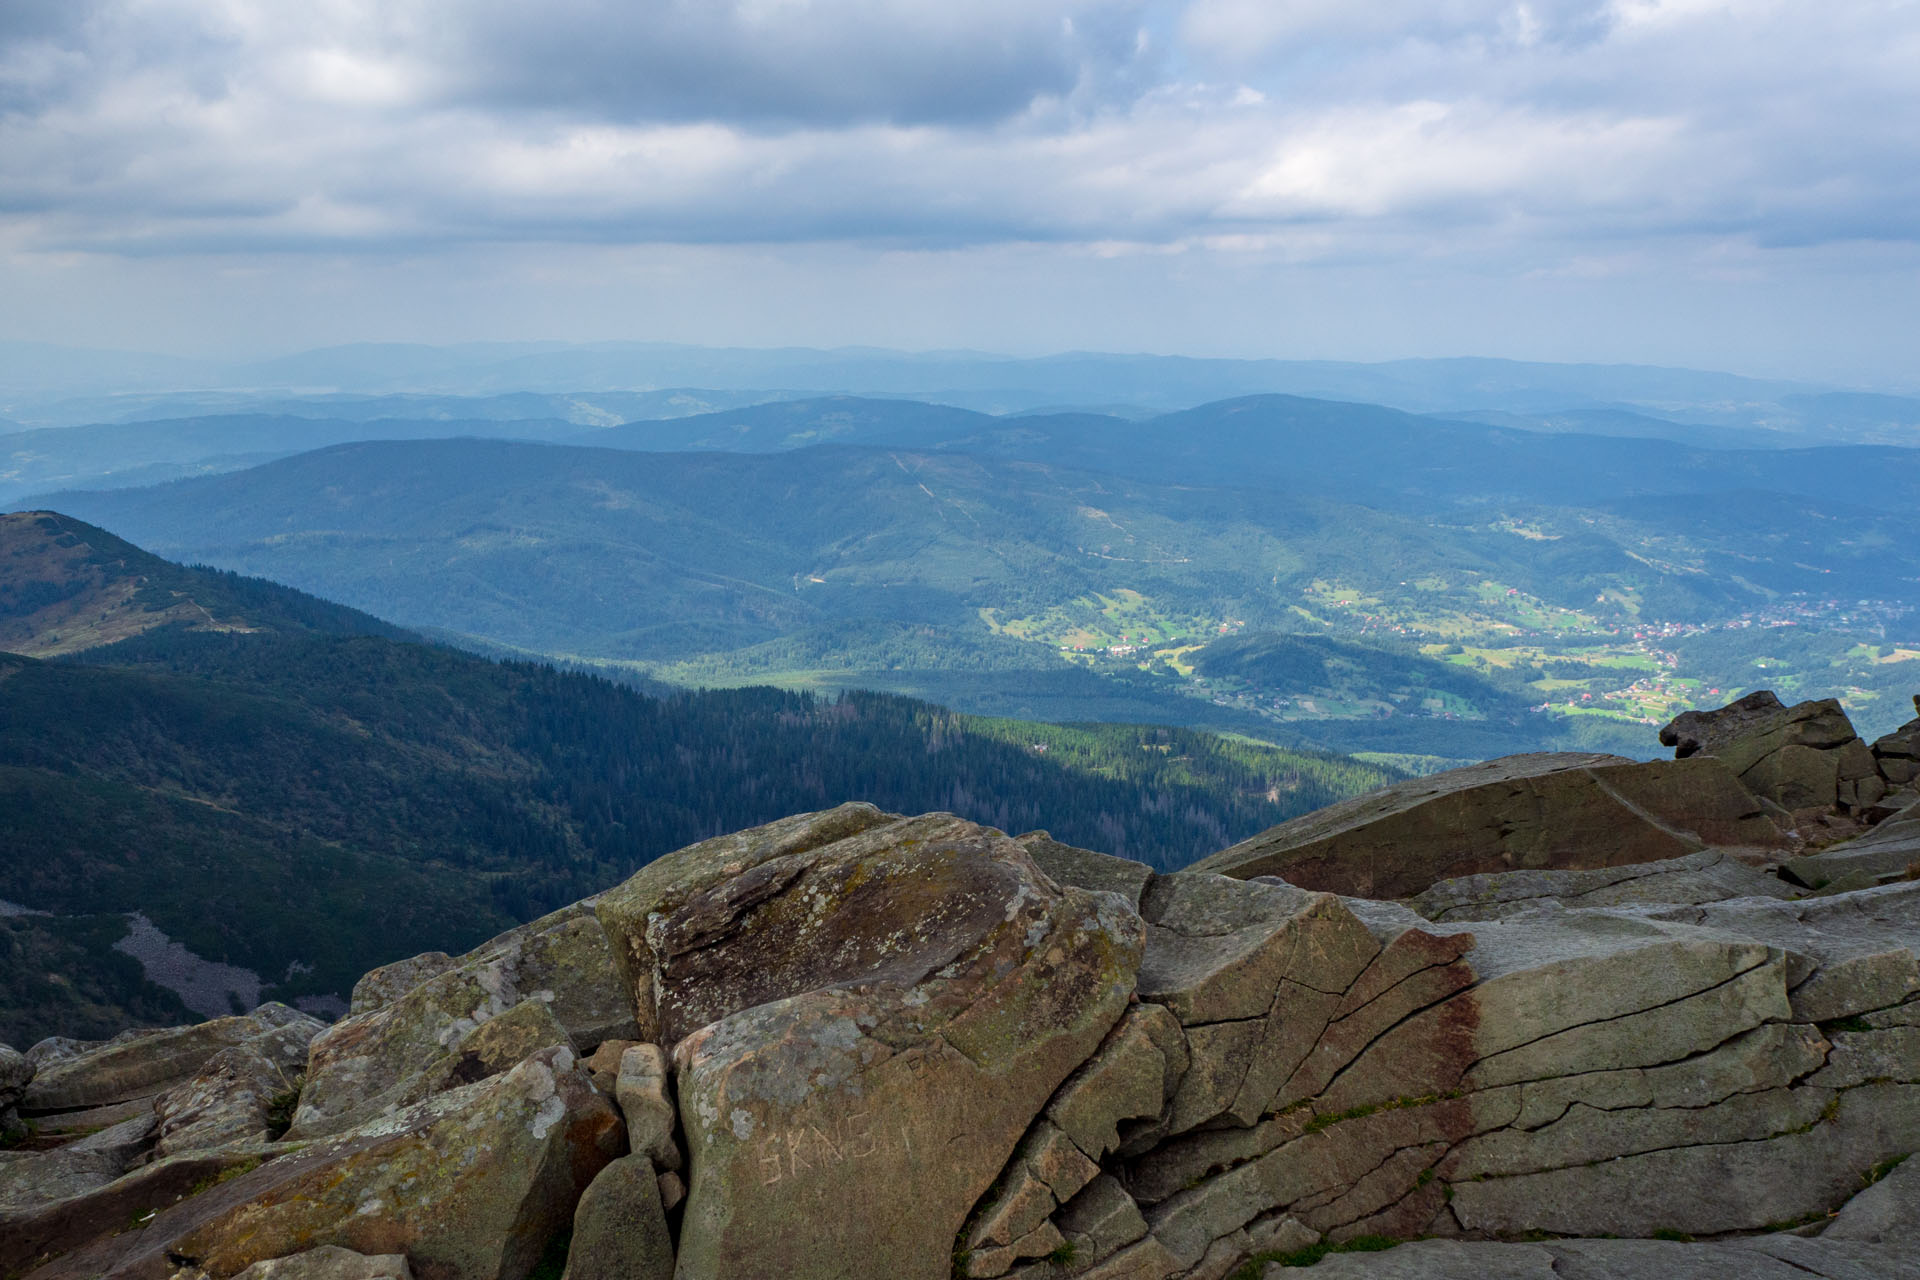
column 149, row 1064
column 80, row 1166
column 547, row 983
column 1254, row 972
column 863, row 1029
column 1068, row 864
column 231, row 1100
column 1557, row 810
column 1897, row 754
column 626, row 909
column 1749, row 729
column 620, row 1227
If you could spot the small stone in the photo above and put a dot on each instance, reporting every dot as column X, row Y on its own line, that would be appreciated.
column 1101, row 1220
column 603, row 1064
column 641, row 1090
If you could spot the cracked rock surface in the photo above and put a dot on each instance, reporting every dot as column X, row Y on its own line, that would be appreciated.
column 1594, row 1035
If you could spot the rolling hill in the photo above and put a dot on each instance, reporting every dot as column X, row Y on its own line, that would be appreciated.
column 1010, row 586
column 1323, row 448
column 119, row 455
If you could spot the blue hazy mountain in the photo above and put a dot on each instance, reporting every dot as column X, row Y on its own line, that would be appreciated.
column 1366, row 453
column 33, row 377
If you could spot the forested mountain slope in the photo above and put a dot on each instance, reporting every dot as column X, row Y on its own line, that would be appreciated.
column 302, row 802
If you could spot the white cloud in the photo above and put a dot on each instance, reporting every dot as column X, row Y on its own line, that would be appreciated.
column 1532, row 137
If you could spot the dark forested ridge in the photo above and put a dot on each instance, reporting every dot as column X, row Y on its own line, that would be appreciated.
column 305, row 803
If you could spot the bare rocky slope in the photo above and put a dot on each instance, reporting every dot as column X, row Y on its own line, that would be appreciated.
column 1549, row 1016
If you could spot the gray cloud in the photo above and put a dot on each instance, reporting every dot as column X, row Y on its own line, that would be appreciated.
column 1572, row 139
column 784, row 62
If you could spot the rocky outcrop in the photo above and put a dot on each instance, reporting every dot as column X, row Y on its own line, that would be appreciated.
column 1805, row 758
column 852, row 1044
column 620, row 1227
column 470, row 1183
column 1556, row 810
column 1890, row 851
column 551, row 982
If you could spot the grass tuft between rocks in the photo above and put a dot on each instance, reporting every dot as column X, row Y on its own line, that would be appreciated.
column 281, row 1108
column 1251, row 1269
column 1844, row 1024
column 553, row 1260
column 227, row 1174
column 1881, row 1170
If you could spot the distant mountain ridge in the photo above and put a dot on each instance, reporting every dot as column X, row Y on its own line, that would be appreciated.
column 145, row 446
column 1361, row 451
column 35, row 376
column 120, row 455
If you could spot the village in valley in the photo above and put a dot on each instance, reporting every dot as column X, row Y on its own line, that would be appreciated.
column 1605, row 662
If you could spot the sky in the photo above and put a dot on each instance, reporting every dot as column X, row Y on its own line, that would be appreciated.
column 1729, row 185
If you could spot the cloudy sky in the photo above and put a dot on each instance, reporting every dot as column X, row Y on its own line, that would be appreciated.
column 1731, row 184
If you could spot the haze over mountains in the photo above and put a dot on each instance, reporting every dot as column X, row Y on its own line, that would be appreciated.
column 1068, row 565
column 57, row 386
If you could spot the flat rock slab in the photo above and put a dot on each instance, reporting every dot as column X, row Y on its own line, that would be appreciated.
column 1707, row 876
column 330, row 1263
column 1549, row 811
column 1853, row 953
column 1756, row 1258
column 1890, row 851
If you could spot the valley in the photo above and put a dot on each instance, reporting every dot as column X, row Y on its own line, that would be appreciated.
column 986, row 569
